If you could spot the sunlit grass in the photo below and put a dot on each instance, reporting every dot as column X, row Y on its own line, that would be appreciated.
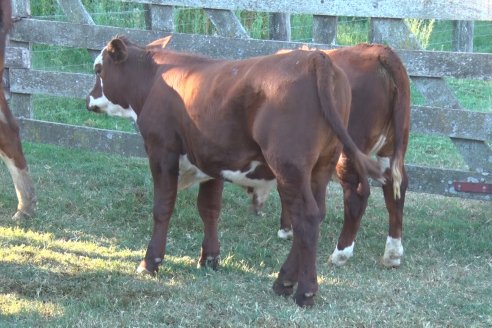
column 74, row 263
column 13, row 305
column 61, row 255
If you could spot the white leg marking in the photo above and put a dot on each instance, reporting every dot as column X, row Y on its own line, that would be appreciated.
column 392, row 252
column 285, row 234
column 142, row 270
column 340, row 257
column 23, row 188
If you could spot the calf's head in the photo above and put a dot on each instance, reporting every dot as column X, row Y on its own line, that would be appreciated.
column 112, row 90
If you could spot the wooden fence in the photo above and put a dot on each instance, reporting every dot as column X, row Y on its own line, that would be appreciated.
column 443, row 115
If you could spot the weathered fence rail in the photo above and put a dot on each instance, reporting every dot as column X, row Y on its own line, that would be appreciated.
column 438, row 9
column 444, row 116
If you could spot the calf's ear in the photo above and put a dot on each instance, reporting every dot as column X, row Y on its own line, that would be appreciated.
column 160, row 43
column 117, row 50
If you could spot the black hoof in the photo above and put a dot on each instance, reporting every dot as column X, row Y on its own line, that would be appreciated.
column 21, row 215
column 283, row 288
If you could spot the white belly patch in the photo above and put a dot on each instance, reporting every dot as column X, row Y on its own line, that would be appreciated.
column 189, row 174
column 241, row 178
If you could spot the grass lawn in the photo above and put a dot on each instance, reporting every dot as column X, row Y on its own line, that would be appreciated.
column 73, row 264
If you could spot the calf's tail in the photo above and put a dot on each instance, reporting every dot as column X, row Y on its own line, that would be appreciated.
column 401, row 114
column 326, row 72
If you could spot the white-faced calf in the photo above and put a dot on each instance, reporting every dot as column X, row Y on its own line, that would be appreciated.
column 250, row 122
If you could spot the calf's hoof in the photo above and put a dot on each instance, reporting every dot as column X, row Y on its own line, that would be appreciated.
column 304, row 299
column 209, row 262
column 145, row 269
column 285, row 233
column 391, row 262
column 393, row 253
column 340, row 257
column 21, row 215
column 26, row 211
column 284, row 288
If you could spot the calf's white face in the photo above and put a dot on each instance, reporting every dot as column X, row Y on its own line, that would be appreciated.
column 97, row 100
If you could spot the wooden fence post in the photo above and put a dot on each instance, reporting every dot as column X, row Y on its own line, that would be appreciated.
column 325, row 29
column 227, row 24
column 21, row 104
column 279, row 26
column 463, row 36
column 158, row 17
column 75, row 11
column 476, row 154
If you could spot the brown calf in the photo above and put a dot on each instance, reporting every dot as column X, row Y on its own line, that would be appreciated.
column 10, row 145
column 252, row 122
column 379, row 125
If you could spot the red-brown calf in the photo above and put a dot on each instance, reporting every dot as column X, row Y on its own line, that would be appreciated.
column 251, row 122
column 379, row 125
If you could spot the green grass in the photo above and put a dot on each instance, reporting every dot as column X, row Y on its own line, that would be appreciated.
column 441, row 37
column 435, row 151
column 74, row 111
column 73, row 263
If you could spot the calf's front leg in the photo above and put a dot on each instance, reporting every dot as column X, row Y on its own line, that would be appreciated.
column 209, row 205
column 165, row 176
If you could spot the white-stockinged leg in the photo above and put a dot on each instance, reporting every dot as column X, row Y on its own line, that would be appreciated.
column 340, row 257
column 23, row 187
column 393, row 252
column 285, row 234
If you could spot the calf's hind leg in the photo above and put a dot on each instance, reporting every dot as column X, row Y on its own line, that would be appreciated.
column 24, row 189
column 11, row 153
column 393, row 251
column 355, row 196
